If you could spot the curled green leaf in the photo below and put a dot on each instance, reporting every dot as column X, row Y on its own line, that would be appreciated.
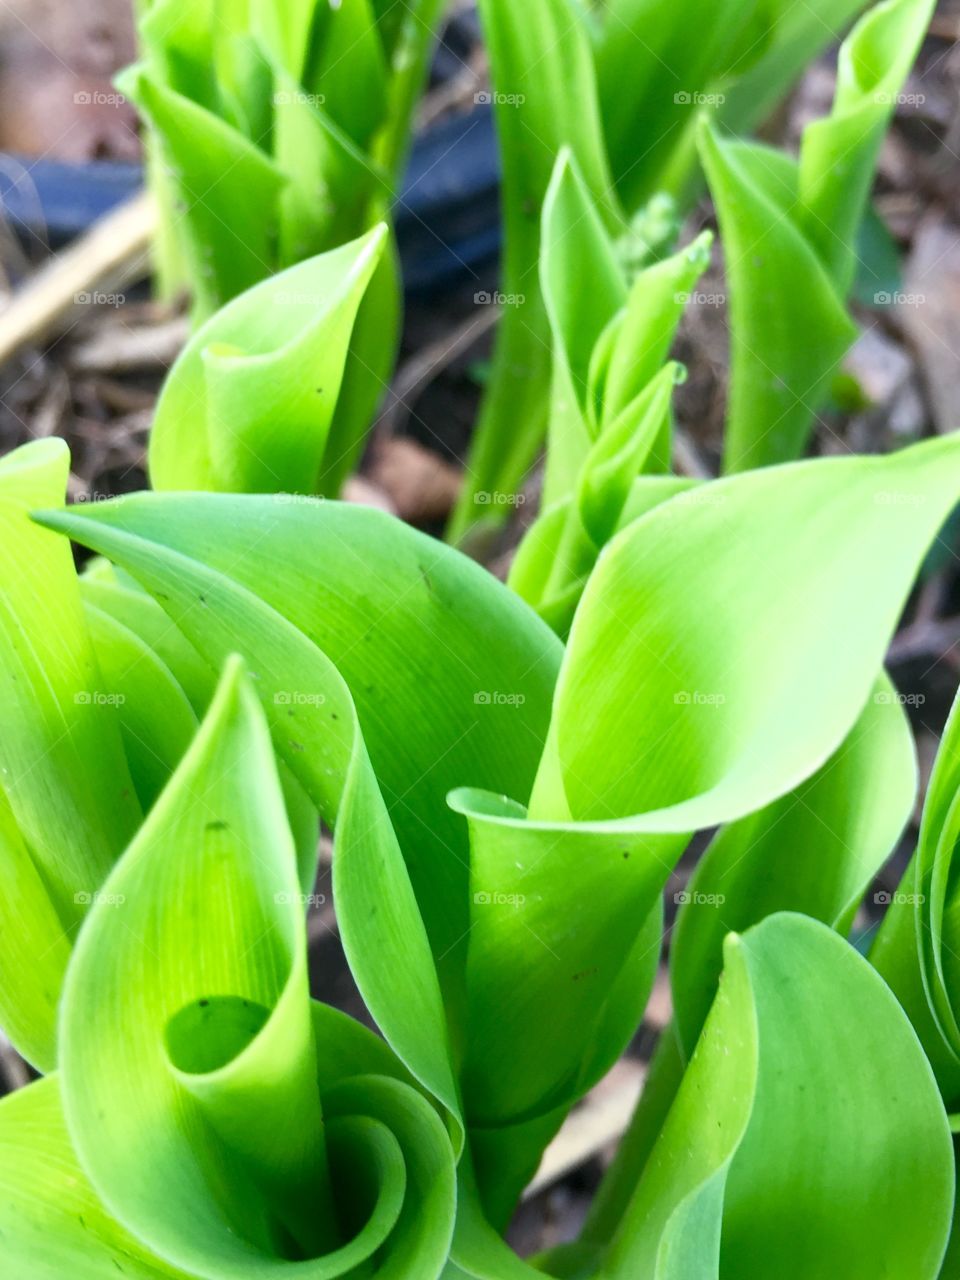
column 249, row 403
column 263, row 1141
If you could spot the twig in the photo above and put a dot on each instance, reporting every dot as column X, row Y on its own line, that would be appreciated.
column 117, row 349
column 13, row 1067
column 686, row 456
column 595, row 1124
column 458, row 92
column 925, row 640
column 112, row 253
column 420, row 370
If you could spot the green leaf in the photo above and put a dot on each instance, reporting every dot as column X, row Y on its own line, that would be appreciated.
column 583, row 287
column 181, row 42
column 409, row 33
column 61, row 757
column 154, row 714
column 779, row 1068
column 248, row 404
column 34, row 950
column 779, row 290
column 368, row 371
column 790, row 234
column 52, row 1223
column 542, row 104
column 349, row 52
column 711, row 712
column 103, row 589
column 135, row 611
column 797, row 34
column 526, row 879
column 333, row 186
column 557, row 555
column 213, row 1055
column 838, row 153
column 650, row 69
column 621, row 452
column 227, row 191
column 879, row 263
column 609, row 341
column 285, row 31
column 68, row 802
column 816, row 851
column 744, row 704
column 430, row 640
column 610, row 401
column 646, row 330
column 916, row 945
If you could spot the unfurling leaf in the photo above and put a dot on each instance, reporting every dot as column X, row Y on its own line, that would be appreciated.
column 268, row 1129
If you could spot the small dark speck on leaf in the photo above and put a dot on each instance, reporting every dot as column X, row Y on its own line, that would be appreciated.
column 297, row 746
column 203, row 1003
column 218, row 824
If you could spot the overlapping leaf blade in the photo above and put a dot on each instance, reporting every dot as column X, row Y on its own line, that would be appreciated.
column 916, row 945
column 674, row 728
column 610, row 418
column 451, row 647
column 839, row 152
column 543, row 104
column 68, row 803
column 815, row 850
column 779, row 1070
column 214, row 1054
column 52, row 1223
column 779, row 291
column 789, row 232
column 224, row 568
column 650, row 69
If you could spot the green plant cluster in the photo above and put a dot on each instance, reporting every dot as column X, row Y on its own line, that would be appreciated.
column 277, row 132
column 511, row 771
